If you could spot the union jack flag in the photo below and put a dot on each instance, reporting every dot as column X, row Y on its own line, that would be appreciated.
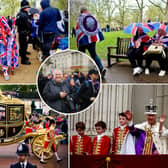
column 84, row 38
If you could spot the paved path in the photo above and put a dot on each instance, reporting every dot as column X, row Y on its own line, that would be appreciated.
column 24, row 73
column 122, row 73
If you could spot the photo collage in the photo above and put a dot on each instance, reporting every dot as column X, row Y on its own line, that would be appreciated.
column 83, row 83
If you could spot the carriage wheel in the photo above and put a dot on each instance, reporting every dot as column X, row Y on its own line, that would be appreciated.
column 38, row 147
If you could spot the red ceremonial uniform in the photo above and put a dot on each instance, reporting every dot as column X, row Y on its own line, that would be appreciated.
column 29, row 127
column 48, row 138
column 119, row 136
column 80, row 145
column 101, row 147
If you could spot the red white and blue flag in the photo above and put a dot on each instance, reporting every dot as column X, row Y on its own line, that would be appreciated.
column 87, row 30
column 132, row 28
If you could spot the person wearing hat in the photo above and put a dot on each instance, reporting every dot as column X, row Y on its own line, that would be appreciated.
column 88, row 91
column 22, row 153
column 23, row 24
column 150, row 139
column 88, row 33
column 50, row 138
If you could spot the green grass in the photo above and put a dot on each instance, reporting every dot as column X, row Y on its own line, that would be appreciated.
column 110, row 39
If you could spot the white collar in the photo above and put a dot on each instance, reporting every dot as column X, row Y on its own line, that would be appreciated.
column 123, row 126
column 79, row 136
column 99, row 136
column 25, row 163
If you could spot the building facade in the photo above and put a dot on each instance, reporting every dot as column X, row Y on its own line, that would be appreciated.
column 68, row 62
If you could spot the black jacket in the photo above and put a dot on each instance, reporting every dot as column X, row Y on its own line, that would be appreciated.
column 18, row 165
column 23, row 22
column 86, row 91
column 51, row 95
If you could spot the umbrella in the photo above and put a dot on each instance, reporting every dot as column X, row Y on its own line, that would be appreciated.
column 158, row 25
column 32, row 11
column 131, row 28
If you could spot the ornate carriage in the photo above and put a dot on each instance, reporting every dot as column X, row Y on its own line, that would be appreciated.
column 13, row 114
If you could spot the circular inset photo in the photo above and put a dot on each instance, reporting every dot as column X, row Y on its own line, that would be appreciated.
column 68, row 81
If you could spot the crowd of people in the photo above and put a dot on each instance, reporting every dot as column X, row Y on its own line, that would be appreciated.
column 46, row 29
column 147, row 138
column 69, row 93
column 140, row 49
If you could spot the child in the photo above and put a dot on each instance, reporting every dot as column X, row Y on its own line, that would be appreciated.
column 101, row 143
column 81, row 143
column 120, row 137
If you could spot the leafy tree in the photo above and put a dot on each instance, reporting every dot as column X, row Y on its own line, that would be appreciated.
column 153, row 12
column 162, row 5
column 10, row 7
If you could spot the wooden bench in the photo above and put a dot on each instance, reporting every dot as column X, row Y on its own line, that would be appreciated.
column 121, row 50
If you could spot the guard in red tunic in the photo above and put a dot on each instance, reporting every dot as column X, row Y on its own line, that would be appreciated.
column 80, row 144
column 50, row 136
column 101, row 144
column 29, row 129
column 120, row 133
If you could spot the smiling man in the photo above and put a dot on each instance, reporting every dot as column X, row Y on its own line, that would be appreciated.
column 56, row 91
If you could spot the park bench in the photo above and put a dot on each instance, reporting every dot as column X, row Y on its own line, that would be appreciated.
column 120, row 50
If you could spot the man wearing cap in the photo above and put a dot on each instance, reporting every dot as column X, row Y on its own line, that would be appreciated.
column 87, row 34
column 22, row 153
column 88, row 91
column 24, row 28
column 150, row 139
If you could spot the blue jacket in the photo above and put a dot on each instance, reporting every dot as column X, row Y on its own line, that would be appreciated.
column 48, row 18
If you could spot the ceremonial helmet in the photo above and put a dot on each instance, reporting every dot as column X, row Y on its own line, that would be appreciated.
column 150, row 108
column 22, row 149
column 24, row 4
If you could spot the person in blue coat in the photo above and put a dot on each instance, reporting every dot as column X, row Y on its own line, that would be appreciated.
column 48, row 26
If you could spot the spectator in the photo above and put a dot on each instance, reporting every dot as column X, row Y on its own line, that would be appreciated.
column 24, row 29
column 160, row 39
column 88, row 92
column 87, row 34
column 48, row 26
column 136, row 48
column 56, row 94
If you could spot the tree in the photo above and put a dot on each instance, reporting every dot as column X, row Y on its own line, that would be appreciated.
column 122, row 11
column 60, row 4
column 10, row 7
column 162, row 5
column 153, row 12
column 141, row 6
column 103, row 10
column 75, row 6
column 111, row 7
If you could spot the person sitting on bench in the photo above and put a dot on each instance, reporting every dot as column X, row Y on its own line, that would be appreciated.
column 136, row 48
column 160, row 39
